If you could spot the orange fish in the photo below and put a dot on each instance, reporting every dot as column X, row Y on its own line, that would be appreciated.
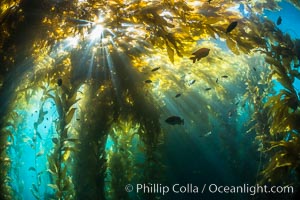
column 200, row 53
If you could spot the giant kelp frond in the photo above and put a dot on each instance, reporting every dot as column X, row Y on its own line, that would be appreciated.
column 281, row 114
column 285, row 159
column 295, row 3
column 121, row 160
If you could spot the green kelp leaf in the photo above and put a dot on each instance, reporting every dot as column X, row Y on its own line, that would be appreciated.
column 63, row 173
column 69, row 149
column 72, row 140
column 41, row 116
column 64, row 134
column 66, row 186
column 40, row 178
column 51, row 172
column 8, row 124
column 72, row 100
column 70, row 115
column 231, row 44
column 50, row 96
column 8, row 133
column 35, row 194
column 54, row 187
column 210, row 31
column 39, row 135
column 59, row 106
column 35, row 188
column 170, row 52
column 53, row 169
column 40, row 153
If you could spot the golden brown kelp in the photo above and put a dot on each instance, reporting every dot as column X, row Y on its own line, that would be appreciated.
column 10, row 17
column 94, row 122
column 122, row 161
column 129, row 98
column 64, row 146
column 278, row 138
column 6, row 139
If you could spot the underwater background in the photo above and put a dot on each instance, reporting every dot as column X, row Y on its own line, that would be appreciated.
column 100, row 97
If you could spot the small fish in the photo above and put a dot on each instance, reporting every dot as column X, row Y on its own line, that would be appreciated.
column 39, row 135
column 155, row 69
column 279, row 20
column 231, row 112
column 177, row 95
column 40, row 153
column 148, row 81
column 254, row 68
column 231, row 26
column 208, row 1
column 26, row 139
column 32, row 169
column 59, row 82
column 200, row 53
column 207, row 89
column 224, row 76
column 206, row 134
column 173, row 120
column 192, row 82
column 217, row 80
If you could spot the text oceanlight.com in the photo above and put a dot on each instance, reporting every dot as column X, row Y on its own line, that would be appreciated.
column 155, row 188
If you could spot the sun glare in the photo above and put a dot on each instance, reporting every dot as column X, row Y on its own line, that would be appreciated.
column 97, row 32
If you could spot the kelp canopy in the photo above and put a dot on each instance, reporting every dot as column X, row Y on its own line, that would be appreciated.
column 87, row 84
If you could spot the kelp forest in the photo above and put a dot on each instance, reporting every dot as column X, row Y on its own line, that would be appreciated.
column 99, row 94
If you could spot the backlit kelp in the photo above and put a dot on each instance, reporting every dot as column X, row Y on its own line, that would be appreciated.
column 86, row 87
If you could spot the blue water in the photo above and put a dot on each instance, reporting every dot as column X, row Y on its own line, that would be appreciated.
column 290, row 19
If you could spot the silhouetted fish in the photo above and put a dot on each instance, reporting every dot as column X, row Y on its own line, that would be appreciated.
column 200, row 53
column 178, row 95
column 217, row 80
column 155, row 69
column 207, row 89
column 279, row 20
column 231, row 26
column 32, row 169
column 173, row 120
column 148, row 81
column 224, row 76
column 206, row 134
column 192, row 82
column 59, row 82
